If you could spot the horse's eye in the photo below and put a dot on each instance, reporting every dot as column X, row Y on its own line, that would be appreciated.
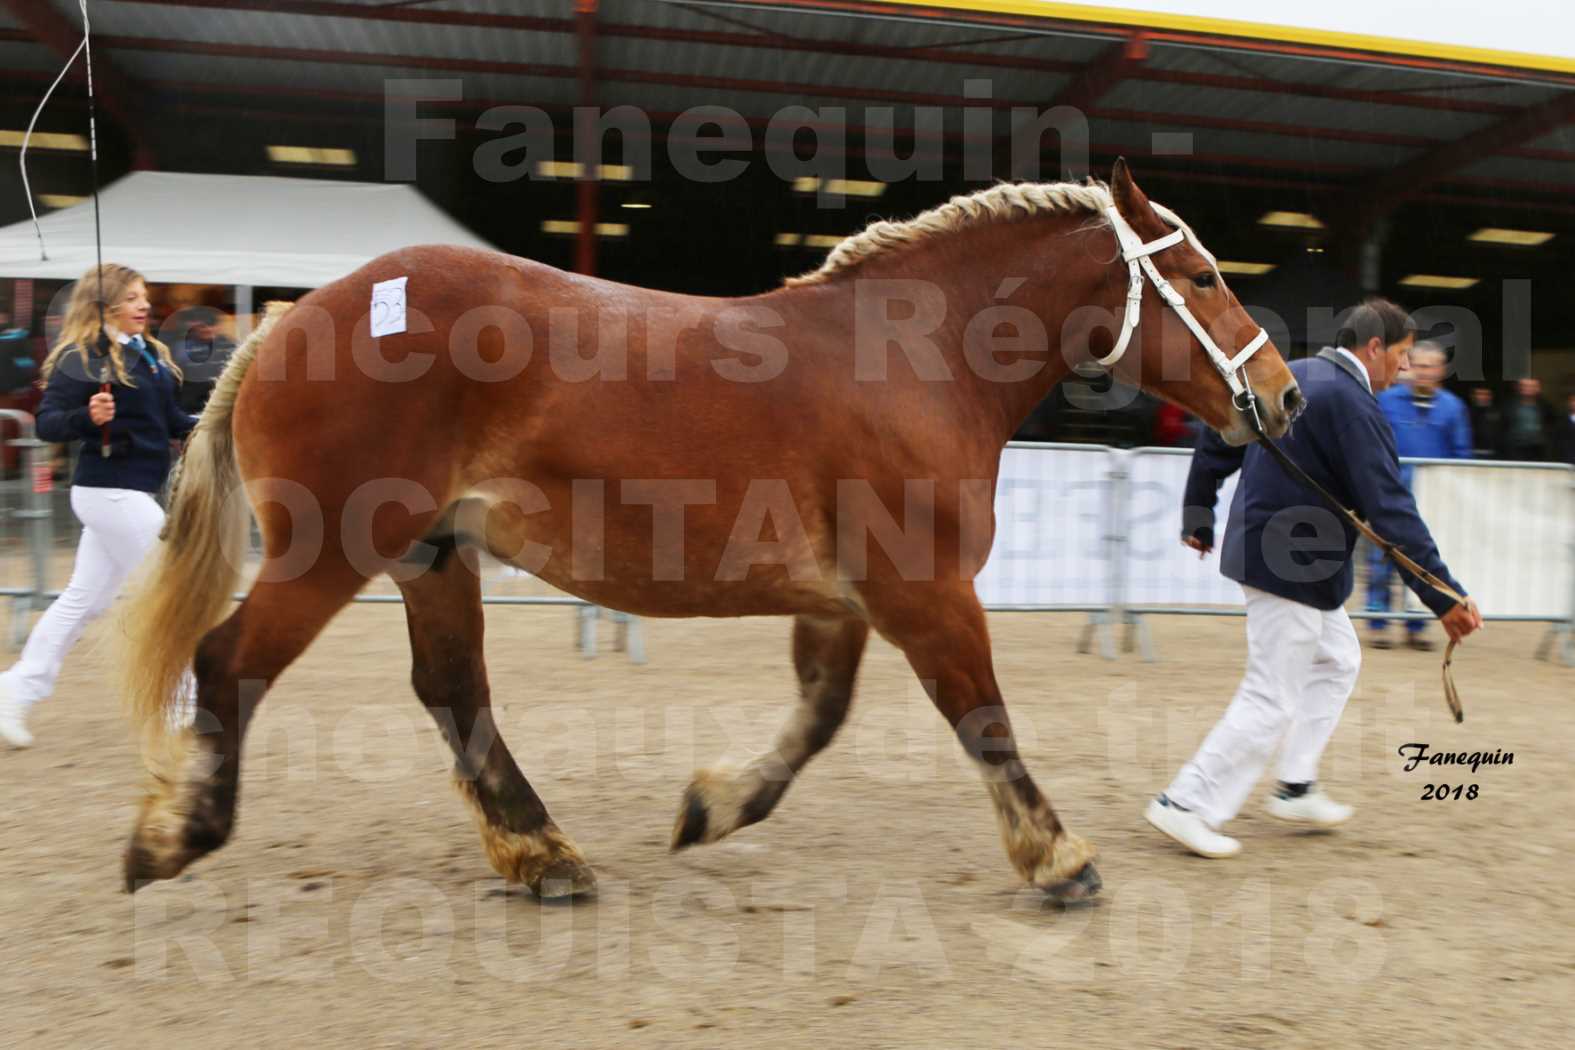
column 1206, row 279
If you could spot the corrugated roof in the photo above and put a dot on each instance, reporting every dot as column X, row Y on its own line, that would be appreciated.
column 1287, row 115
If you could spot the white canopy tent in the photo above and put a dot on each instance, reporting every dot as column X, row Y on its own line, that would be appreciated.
column 242, row 230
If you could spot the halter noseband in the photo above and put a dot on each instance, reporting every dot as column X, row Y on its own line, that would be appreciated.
column 1139, row 263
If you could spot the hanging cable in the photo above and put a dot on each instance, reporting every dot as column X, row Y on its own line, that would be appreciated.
column 27, row 189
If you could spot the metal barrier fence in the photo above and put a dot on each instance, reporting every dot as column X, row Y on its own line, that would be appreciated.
column 1094, row 516
column 1526, row 536
column 38, row 535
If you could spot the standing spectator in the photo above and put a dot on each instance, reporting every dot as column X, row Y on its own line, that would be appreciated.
column 1487, row 423
column 202, row 352
column 17, row 367
column 1566, row 433
column 1528, row 423
column 1429, row 423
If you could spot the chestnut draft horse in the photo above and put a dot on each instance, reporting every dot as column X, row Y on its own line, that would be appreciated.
column 670, row 456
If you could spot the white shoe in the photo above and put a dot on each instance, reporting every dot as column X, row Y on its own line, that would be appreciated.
column 1190, row 830
column 1314, row 809
column 13, row 718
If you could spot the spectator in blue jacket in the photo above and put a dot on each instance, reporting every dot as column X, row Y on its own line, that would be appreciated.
column 1292, row 556
column 1429, row 423
column 125, row 431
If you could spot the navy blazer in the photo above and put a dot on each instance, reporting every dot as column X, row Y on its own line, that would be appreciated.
column 1282, row 538
column 147, row 419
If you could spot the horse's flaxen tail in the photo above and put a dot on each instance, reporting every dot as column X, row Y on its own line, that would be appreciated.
column 197, row 566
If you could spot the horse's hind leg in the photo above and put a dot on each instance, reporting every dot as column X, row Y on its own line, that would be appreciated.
column 826, row 655
column 941, row 629
column 190, row 810
column 443, row 609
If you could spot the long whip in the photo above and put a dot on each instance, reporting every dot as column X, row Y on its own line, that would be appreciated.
column 102, row 343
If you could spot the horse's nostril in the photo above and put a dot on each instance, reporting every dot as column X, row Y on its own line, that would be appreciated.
column 1292, row 401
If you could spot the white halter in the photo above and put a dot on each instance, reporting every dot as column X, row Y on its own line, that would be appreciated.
column 1137, row 256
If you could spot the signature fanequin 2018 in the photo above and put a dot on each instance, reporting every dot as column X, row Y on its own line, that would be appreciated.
column 1418, row 754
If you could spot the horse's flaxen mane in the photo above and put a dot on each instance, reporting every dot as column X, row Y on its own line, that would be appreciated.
column 1004, row 202
column 1008, row 200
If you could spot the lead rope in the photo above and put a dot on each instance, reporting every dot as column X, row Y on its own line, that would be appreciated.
column 1391, row 551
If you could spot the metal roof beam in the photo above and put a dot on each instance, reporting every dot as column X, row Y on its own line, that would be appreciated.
column 1097, row 79
column 117, row 93
column 568, row 27
column 939, row 54
column 1394, row 187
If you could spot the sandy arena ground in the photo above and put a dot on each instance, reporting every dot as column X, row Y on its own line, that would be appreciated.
column 874, row 909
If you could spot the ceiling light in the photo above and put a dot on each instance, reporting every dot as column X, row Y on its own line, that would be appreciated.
column 1521, row 238
column 788, row 240
column 1433, row 280
column 570, row 227
column 856, row 187
column 59, row 200
column 570, row 169
column 823, row 240
column 315, row 155
column 46, row 140
column 838, row 187
column 1244, row 269
column 1298, row 220
column 635, row 204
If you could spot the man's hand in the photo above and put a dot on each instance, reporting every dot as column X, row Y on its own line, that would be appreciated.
column 101, row 409
column 1462, row 620
column 1197, row 545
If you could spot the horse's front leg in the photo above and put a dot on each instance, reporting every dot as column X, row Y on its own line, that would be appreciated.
column 941, row 629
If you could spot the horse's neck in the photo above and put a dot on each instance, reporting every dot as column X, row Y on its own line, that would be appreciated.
column 973, row 268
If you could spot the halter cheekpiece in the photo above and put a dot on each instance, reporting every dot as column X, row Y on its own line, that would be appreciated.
column 1140, row 263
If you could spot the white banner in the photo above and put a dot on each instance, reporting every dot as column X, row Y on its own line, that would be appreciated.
column 1057, row 529
column 1052, row 529
column 1505, row 533
column 1160, row 571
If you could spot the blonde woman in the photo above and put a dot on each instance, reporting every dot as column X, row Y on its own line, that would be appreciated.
column 112, row 495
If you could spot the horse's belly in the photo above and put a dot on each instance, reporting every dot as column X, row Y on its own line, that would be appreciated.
column 622, row 557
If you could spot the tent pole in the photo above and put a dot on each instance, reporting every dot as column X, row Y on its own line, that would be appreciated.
column 243, row 312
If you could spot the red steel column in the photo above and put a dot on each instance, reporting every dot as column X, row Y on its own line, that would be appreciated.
column 586, row 151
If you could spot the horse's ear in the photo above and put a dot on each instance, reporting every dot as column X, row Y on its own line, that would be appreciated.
column 1129, row 200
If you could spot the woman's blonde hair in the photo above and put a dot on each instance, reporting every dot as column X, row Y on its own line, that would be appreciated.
column 80, row 327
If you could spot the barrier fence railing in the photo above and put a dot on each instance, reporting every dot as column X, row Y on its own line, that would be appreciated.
column 25, row 516
column 1079, row 528
column 1506, row 529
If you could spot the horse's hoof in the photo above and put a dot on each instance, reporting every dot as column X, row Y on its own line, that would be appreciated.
column 564, row 878
column 138, row 867
column 1085, row 884
column 691, row 824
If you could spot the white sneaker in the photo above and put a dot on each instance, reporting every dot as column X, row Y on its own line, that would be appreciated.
column 13, row 718
column 1314, row 809
column 1190, row 830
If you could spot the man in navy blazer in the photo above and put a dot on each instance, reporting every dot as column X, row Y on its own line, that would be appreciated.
column 1293, row 557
